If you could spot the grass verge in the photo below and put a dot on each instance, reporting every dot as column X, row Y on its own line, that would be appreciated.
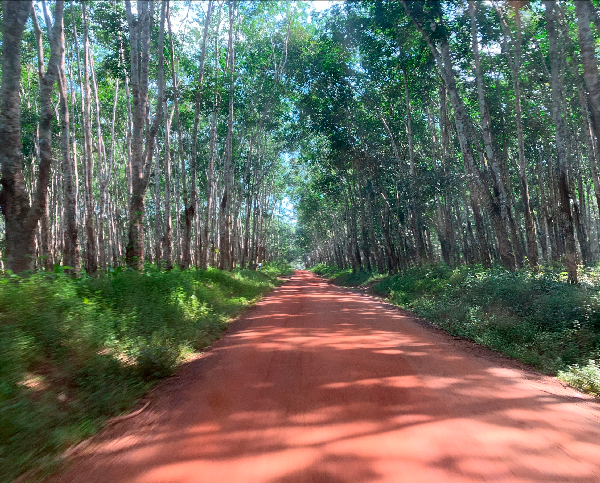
column 74, row 353
column 536, row 317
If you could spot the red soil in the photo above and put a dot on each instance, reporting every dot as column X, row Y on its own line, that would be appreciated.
column 321, row 384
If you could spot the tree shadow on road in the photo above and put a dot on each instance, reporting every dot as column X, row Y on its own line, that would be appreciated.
column 317, row 384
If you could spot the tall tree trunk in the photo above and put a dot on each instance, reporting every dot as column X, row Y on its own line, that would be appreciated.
column 182, row 248
column 192, row 208
column 506, row 252
column 157, row 220
column 464, row 131
column 21, row 217
column 585, row 13
column 415, row 218
column 225, row 215
column 557, row 115
column 103, row 178
column 91, row 260
column 210, row 182
column 445, row 129
column 167, row 241
column 207, row 249
column 587, row 45
column 71, row 257
column 107, row 178
column 515, row 64
column 587, row 129
column 128, row 131
column 141, row 155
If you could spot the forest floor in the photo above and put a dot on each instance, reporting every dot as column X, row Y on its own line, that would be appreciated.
column 321, row 384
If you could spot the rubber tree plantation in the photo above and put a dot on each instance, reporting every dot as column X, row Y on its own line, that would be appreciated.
column 163, row 162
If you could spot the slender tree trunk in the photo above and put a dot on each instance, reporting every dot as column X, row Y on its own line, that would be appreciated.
column 183, row 249
column 157, row 217
column 500, row 196
column 415, row 218
column 225, row 215
column 192, row 208
column 47, row 114
column 102, row 167
column 141, row 155
column 587, row 45
column 167, row 240
column 91, row 260
column 20, row 216
column 585, row 12
column 464, row 131
column 71, row 256
column 128, row 131
column 445, row 129
column 206, row 256
column 530, row 229
column 557, row 114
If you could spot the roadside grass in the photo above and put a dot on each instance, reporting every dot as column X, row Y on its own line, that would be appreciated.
column 346, row 277
column 277, row 268
column 535, row 317
column 74, row 353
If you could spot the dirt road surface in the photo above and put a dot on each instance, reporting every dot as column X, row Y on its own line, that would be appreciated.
column 319, row 384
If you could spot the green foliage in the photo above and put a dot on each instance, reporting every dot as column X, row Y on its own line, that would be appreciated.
column 346, row 277
column 74, row 352
column 326, row 271
column 535, row 317
column 585, row 378
column 275, row 268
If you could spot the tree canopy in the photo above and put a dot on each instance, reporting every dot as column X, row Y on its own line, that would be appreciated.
column 376, row 135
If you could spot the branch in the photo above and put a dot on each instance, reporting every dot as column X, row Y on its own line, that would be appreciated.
column 505, row 31
column 38, row 37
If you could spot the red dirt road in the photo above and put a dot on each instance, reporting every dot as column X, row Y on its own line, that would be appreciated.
column 319, row 384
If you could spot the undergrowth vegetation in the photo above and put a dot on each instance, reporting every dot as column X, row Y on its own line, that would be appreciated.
column 346, row 277
column 536, row 317
column 75, row 352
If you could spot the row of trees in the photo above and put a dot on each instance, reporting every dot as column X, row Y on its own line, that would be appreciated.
column 146, row 131
column 460, row 130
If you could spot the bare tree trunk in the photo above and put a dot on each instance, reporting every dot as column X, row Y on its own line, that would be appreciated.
column 464, row 131
column 225, row 215
column 71, row 256
column 206, row 255
column 102, row 167
column 506, row 252
column 21, row 217
column 515, row 64
column 557, row 115
column 157, row 217
column 141, row 161
column 415, row 219
column 192, row 208
column 182, row 249
column 91, row 259
column 445, row 129
column 128, row 131
column 587, row 45
column 167, row 240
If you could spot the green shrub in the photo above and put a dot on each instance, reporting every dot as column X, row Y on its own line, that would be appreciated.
column 75, row 352
column 328, row 271
column 346, row 277
column 585, row 378
column 278, row 267
column 157, row 358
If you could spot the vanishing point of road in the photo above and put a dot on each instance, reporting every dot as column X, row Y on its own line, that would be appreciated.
column 319, row 384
